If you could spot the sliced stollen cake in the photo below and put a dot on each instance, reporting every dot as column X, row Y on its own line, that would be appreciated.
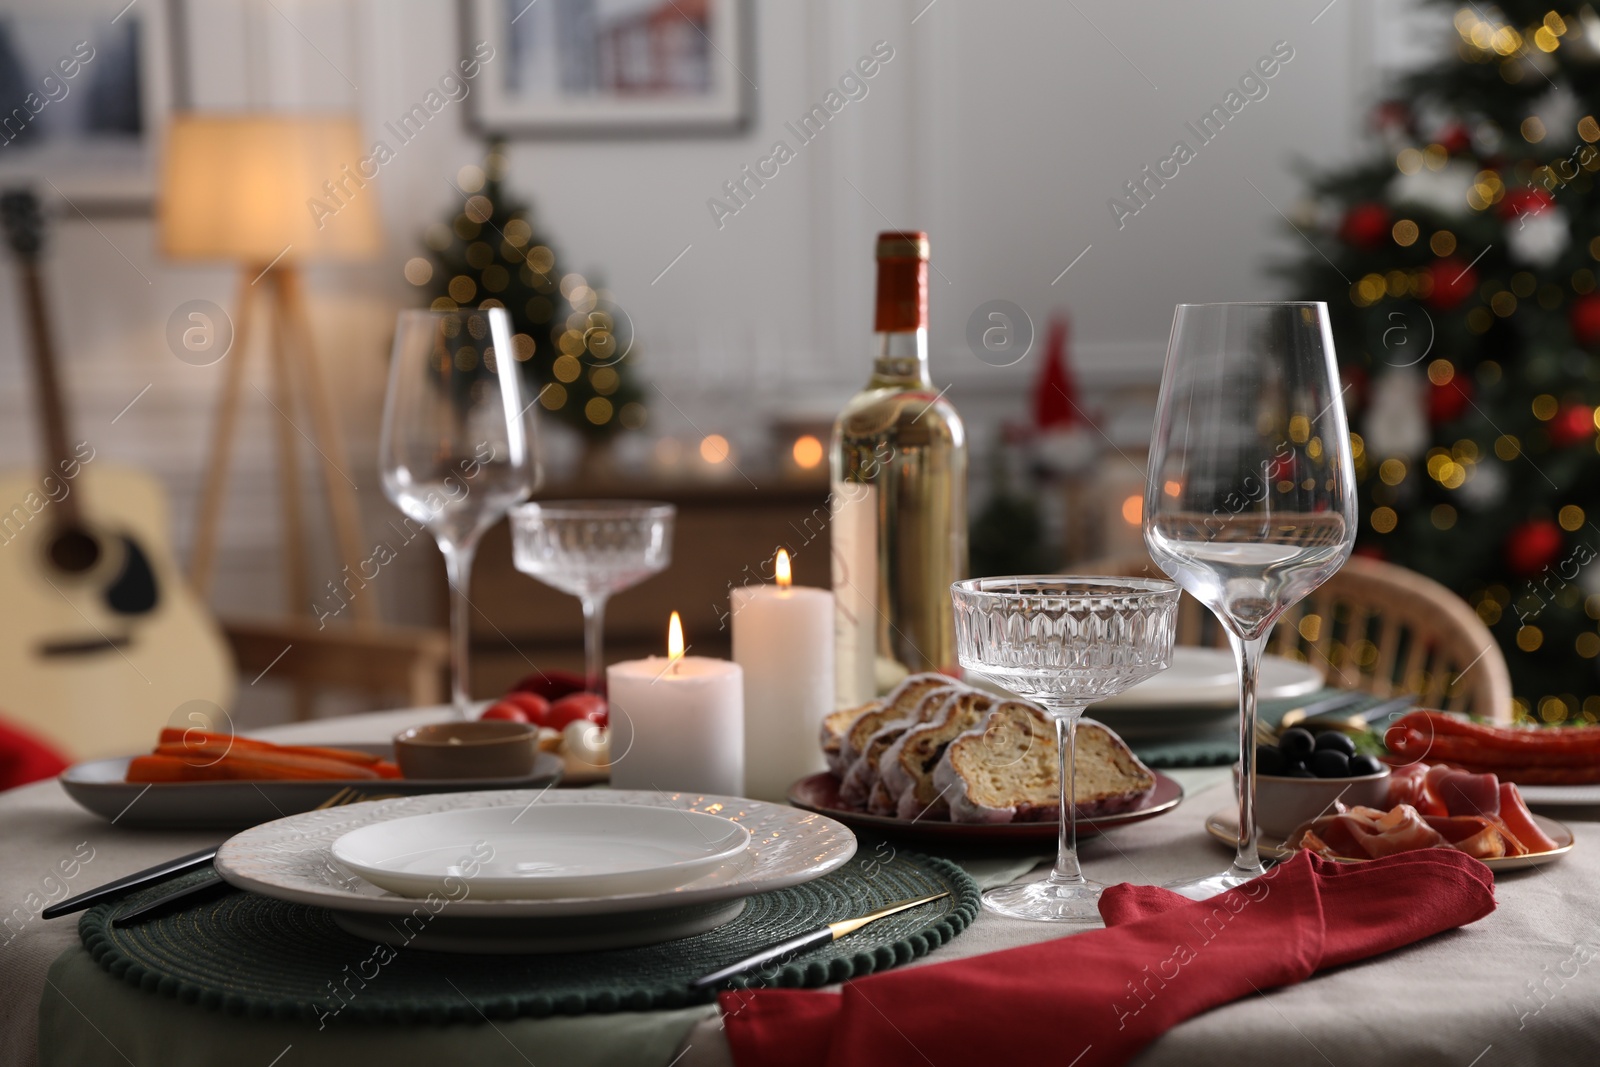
column 899, row 704
column 905, row 773
column 833, row 731
column 1005, row 770
column 861, row 779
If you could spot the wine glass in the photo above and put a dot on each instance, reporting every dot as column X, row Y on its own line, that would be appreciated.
column 458, row 446
column 1064, row 643
column 1250, row 500
column 591, row 549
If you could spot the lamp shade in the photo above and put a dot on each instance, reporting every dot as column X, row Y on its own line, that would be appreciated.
column 245, row 187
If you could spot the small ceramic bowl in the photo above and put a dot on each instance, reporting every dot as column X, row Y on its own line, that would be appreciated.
column 1284, row 803
column 467, row 750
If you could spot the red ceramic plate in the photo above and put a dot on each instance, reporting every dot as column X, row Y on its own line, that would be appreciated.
column 820, row 793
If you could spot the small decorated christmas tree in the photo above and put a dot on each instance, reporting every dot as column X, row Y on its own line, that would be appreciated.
column 574, row 345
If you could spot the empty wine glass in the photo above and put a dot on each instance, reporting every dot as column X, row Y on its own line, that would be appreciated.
column 1064, row 643
column 1250, row 500
column 457, row 447
column 591, row 549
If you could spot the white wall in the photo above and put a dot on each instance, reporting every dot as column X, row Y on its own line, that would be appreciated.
column 1001, row 126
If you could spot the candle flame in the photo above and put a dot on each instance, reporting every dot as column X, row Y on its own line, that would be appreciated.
column 675, row 638
column 781, row 568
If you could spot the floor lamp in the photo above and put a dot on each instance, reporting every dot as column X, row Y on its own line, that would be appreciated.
column 255, row 190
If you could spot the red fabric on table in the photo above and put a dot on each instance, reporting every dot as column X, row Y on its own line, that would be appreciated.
column 1105, row 994
column 24, row 758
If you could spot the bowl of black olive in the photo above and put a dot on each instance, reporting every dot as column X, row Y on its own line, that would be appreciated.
column 1305, row 774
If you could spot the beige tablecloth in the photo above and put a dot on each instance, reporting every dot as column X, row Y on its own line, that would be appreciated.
column 1520, row 987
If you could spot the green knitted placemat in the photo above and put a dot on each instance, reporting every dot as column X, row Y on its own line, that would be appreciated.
column 1219, row 747
column 252, row 955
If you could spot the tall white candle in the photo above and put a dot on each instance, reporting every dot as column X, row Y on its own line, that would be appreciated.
column 677, row 722
column 783, row 641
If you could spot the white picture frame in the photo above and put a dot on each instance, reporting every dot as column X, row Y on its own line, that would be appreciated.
column 85, row 90
column 609, row 68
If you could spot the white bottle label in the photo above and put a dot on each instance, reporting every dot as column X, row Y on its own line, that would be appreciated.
column 854, row 536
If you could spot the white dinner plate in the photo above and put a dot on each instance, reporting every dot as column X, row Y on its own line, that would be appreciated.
column 1208, row 678
column 558, row 850
column 292, row 859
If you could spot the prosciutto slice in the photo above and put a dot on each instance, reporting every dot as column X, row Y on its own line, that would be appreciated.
column 1367, row 833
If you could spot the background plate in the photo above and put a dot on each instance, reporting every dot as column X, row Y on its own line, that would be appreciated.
column 1561, row 795
column 99, row 786
column 1224, row 826
column 820, row 793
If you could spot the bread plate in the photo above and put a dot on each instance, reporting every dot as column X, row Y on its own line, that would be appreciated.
column 820, row 793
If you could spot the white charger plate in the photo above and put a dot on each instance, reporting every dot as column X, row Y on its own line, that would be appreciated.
column 292, row 859
column 559, row 850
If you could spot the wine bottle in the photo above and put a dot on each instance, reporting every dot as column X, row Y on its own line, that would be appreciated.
column 899, row 496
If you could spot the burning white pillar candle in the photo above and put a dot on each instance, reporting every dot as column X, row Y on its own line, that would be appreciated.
column 783, row 641
column 677, row 722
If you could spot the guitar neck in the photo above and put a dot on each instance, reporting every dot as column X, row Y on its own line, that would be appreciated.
column 57, row 447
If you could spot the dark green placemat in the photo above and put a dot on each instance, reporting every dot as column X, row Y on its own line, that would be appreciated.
column 252, row 955
column 1219, row 747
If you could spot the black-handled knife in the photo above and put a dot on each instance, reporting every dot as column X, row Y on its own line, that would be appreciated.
column 193, row 861
column 794, row 945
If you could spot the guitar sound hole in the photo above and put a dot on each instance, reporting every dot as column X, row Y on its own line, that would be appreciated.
column 74, row 551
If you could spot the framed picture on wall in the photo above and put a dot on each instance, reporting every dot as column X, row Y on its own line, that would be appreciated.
column 84, row 89
column 609, row 68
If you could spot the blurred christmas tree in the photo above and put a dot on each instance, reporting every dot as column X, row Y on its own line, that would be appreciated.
column 573, row 343
column 1460, row 269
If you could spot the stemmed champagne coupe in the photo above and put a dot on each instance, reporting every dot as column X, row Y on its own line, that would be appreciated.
column 1064, row 643
column 1250, row 500
column 458, row 446
column 591, row 549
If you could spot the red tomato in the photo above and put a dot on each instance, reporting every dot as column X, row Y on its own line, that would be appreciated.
column 577, row 706
column 552, row 684
column 506, row 711
column 520, row 707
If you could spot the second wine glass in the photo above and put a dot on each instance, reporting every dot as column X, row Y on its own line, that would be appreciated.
column 458, row 446
column 1250, row 500
column 591, row 549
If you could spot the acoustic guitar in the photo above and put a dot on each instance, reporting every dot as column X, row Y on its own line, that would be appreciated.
column 101, row 644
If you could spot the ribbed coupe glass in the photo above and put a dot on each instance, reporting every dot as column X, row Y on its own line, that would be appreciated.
column 1064, row 643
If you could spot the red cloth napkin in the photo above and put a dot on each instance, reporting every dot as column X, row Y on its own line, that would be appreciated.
column 24, row 758
column 1099, row 997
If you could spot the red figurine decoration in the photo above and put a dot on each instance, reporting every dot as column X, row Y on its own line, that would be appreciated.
column 1055, row 394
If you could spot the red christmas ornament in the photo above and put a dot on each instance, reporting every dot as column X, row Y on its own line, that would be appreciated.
column 1455, row 139
column 1393, row 115
column 1532, row 546
column 1365, row 226
column 1449, row 401
column 1585, row 318
column 1525, row 200
column 1573, row 424
column 1055, row 394
column 1453, row 282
